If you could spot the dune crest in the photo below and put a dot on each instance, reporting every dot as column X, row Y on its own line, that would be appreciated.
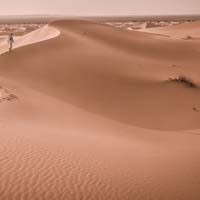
column 39, row 35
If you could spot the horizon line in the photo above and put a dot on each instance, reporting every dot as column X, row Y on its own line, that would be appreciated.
column 99, row 15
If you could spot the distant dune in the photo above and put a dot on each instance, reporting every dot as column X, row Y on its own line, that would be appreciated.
column 184, row 31
column 14, row 19
column 101, row 113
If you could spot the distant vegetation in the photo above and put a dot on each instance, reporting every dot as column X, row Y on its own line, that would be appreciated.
column 184, row 80
column 188, row 37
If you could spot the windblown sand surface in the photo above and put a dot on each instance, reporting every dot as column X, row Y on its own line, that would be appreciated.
column 95, row 114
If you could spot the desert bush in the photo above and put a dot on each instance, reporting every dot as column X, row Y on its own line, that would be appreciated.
column 188, row 37
column 185, row 80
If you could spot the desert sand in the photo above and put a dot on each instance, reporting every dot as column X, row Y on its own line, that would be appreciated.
column 93, row 112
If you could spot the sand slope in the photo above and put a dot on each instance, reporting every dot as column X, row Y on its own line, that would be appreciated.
column 96, row 116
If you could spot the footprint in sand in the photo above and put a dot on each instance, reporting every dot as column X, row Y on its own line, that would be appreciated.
column 5, row 95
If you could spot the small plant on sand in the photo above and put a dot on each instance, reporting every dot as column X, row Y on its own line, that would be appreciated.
column 188, row 37
column 184, row 80
column 195, row 109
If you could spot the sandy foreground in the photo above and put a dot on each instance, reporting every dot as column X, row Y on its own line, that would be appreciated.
column 92, row 112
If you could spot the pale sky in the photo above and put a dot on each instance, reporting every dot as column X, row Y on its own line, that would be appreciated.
column 99, row 7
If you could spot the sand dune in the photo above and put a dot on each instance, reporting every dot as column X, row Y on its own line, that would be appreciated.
column 103, row 68
column 97, row 115
column 185, row 30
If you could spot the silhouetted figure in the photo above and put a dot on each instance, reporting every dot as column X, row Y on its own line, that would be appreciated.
column 10, row 41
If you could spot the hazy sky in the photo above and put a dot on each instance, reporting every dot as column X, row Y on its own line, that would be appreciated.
column 99, row 7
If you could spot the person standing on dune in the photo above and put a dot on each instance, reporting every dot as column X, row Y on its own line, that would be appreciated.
column 10, row 41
